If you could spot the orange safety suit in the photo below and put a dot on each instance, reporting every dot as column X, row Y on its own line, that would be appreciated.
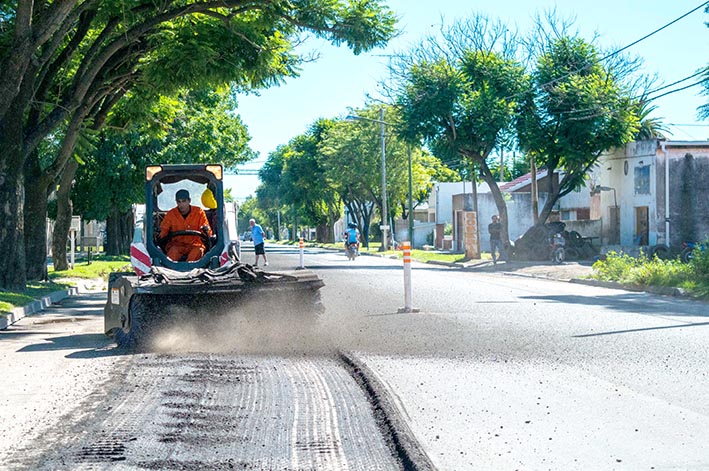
column 190, row 245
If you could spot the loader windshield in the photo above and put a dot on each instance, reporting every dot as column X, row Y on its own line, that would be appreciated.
column 166, row 197
column 170, row 236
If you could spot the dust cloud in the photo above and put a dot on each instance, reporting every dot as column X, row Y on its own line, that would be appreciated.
column 260, row 327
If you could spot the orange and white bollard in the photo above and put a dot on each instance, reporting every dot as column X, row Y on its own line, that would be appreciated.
column 407, row 279
column 302, row 248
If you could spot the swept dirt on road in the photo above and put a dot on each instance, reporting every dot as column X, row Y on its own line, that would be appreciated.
column 73, row 401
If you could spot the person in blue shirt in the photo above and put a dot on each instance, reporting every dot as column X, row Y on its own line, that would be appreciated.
column 352, row 235
column 257, row 236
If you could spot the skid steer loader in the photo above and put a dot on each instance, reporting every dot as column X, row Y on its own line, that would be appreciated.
column 164, row 292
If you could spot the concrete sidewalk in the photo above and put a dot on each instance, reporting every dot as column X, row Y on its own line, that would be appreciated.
column 82, row 286
column 36, row 306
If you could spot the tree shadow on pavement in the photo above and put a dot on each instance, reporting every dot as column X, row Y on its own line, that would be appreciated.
column 90, row 346
column 644, row 329
column 633, row 303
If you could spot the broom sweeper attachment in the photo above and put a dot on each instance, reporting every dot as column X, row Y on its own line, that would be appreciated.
column 187, row 264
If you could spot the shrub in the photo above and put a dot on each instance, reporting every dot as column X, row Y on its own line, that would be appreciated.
column 700, row 259
column 614, row 267
column 658, row 272
column 693, row 277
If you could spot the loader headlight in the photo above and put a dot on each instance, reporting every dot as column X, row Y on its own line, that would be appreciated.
column 215, row 170
column 151, row 170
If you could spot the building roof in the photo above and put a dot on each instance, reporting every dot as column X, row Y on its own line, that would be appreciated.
column 521, row 182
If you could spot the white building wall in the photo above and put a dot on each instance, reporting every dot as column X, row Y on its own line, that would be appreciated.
column 618, row 172
column 441, row 198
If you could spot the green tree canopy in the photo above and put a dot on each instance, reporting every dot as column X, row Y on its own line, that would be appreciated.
column 196, row 127
column 352, row 162
column 459, row 94
column 65, row 64
column 577, row 108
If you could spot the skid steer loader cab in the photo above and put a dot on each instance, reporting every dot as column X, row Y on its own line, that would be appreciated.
column 164, row 293
column 162, row 184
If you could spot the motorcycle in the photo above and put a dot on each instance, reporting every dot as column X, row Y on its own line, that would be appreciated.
column 688, row 248
column 557, row 248
column 352, row 250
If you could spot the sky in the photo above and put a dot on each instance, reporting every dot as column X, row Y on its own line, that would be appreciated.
column 339, row 80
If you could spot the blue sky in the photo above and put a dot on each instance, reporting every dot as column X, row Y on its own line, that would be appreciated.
column 339, row 79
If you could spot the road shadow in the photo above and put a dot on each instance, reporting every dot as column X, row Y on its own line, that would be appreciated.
column 645, row 329
column 632, row 303
column 90, row 346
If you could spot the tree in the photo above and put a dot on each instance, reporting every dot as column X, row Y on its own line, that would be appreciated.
column 320, row 205
column 649, row 127
column 460, row 95
column 577, row 108
column 268, row 194
column 63, row 63
column 249, row 209
column 351, row 153
column 196, row 127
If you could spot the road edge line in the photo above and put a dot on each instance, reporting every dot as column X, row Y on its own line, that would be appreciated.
column 397, row 432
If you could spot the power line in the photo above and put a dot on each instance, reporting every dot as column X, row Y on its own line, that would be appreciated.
column 678, row 81
column 596, row 112
column 618, row 51
column 654, row 32
column 678, row 90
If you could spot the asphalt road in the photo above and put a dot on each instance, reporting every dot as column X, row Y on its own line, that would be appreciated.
column 503, row 372
column 70, row 400
column 495, row 372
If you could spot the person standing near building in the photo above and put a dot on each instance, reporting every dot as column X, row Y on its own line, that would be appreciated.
column 257, row 236
column 495, row 230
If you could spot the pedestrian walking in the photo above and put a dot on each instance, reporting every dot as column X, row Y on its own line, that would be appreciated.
column 495, row 230
column 257, row 235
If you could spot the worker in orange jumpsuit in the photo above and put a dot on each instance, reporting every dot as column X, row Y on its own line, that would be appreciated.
column 185, row 217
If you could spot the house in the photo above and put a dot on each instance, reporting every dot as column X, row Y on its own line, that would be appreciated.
column 622, row 206
column 639, row 182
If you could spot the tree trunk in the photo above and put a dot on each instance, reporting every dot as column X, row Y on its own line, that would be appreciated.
column 12, row 263
column 499, row 200
column 64, row 212
column 474, row 185
column 35, row 218
column 119, row 232
column 535, row 193
column 321, row 233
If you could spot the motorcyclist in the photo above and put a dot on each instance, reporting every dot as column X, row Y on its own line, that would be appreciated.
column 352, row 236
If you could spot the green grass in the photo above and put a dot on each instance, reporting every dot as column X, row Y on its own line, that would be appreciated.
column 35, row 290
column 100, row 267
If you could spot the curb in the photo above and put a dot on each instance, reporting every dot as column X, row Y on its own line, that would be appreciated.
column 35, row 306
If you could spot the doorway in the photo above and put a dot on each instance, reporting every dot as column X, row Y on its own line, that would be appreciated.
column 641, row 225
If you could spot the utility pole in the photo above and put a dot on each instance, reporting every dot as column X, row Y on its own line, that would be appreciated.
column 385, row 212
column 535, row 201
